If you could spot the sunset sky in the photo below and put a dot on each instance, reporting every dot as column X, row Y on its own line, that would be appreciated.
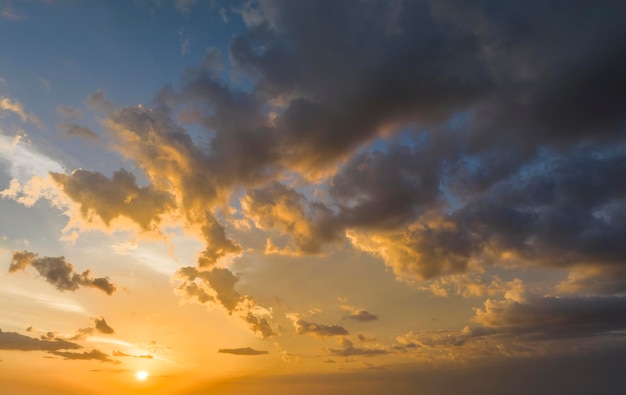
column 312, row 197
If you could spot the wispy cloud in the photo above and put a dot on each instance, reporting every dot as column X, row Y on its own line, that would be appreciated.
column 17, row 108
column 242, row 351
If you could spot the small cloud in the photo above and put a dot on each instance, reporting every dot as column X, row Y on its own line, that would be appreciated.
column 87, row 355
column 242, row 351
column 82, row 333
column 184, row 6
column 60, row 273
column 363, row 338
column 17, row 108
column 8, row 14
column 319, row 330
column 97, row 101
column 15, row 341
column 45, row 83
column 102, row 326
column 349, row 350
column 224, row 15
column 69, row 113
column 72, row 130
column 29, row 329
column 122, row 354
column 259, row 325
column 362, row 316
column 185, row 42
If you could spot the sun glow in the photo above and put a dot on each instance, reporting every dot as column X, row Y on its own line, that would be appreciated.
column 141, row 375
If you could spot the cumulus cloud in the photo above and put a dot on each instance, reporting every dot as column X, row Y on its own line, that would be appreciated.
column 115, row 197
column 60, row 273
column 15, row 341
column 442, row 137
column 242, row 351
column 276, row 206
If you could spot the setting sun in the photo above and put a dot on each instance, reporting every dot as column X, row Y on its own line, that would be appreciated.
column 141, row 375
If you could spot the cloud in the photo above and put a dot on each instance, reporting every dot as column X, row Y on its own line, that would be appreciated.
column 17, row 108
column 259, row 325
column 96, row 355
column 82, row 333
column 69, row 113
column 24, row 160
column 467, row 285
column 185, row 41
column 102, row 326
column 362, row 316
column 98, row 101
column 115, row 197
column 218, row 286
column 552, row 317
column 15, row 341
column 319, row 330
column 7, row 13
column 72, row 130
column 348, row 350
column 122, row 354
column 242, row 351
column 276, row 206
column 60, row 273
column 184, row 6
column 224, row 15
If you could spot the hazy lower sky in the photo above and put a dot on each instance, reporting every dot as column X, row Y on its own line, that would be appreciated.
column 313, row 197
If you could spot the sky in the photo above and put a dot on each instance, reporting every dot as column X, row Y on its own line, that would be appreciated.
column 279, row 197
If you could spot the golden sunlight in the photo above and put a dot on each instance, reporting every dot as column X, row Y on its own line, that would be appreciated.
column 141, row 375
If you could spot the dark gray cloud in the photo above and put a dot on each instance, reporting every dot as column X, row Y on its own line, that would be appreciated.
column 15, row 341
column 102, row 326
column 552, row 317
column 242, row 351
column 60, row 273
column 320, row 330
column 96, row 355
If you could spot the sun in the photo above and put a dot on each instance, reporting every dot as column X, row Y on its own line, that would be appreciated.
column 141, row 375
